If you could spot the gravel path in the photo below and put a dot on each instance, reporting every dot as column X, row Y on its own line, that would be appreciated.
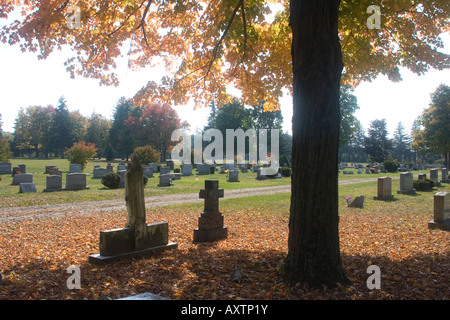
column 153, row 201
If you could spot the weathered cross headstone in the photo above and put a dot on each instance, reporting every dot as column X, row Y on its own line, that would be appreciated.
column 75, row 168
column 27, row 187
column 384, row 189
column 441, row 212
column 53, row 183
column 445, row 177
column 76, row 181
column 210, row 223
column 358, row 202
column 137, row 238
column 22, row 178
column 406, row 183
column 5, row 168
column 233, row 176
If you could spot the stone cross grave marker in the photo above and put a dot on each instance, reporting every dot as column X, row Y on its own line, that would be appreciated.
column 137, row 238
column 406, row 183
column 384, row 189
column 210, row 223
column 441, row 212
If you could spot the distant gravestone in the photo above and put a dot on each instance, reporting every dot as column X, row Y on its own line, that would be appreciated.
column 22, row 178
column 186, row 169
column 210, row 223
column 53, row 183
column 434, row 175
column 137, row 238
column 99, row 173
column 148, row 172
column 122, row 174
column 422, row 176
column 153, row 166
column 76, row 181
column 55, row 172
column 384, row 190
column 22, row 168
column 27, row 187
column 75, row 168
column 441, row 212
column 164, row 170
column 165, row 180
column 203, row 168
column 170, row 164
column 49, row 168
column 233, row 175
column 445, row 177
column 260, row 174
column 406, row 183
column 358, row 202
column 121, row 167
column 5, row 168
column 109, row 168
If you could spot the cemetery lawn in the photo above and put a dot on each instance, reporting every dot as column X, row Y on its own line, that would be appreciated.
column 414, row 261
column 10, row 196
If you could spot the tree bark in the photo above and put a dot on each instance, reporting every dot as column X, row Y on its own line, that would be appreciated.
column 313, row 243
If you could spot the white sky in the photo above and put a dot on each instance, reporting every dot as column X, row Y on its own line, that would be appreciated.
column 26, row 81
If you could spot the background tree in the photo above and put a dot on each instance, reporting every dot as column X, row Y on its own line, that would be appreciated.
column 98, row 132
column 22, row 136
column 153, row 125
column 434, row 133
column 62, row 135
column 348, row 105
column 401, row 144
column 377, row 144
column 213, row 44
column 79, row 126
column 354, row 151
column 120, row 137
column 5, row 152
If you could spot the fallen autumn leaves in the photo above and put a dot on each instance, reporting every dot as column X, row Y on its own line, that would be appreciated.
column 35, row 253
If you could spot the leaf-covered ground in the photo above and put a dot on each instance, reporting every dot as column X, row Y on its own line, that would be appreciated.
column 414, row 261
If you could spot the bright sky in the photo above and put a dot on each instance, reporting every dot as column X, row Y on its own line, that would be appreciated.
column 26, row 81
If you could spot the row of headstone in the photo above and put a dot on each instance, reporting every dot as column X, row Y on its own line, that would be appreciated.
column 74, row 181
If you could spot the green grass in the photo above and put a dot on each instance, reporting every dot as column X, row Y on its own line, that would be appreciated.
column 10, row 196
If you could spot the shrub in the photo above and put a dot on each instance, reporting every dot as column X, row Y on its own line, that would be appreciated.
column 423, row 185
column 111, row 180
column 80, row 153
column 390, row 166
column 285, row 171
column 5, row 153
column 147, row 154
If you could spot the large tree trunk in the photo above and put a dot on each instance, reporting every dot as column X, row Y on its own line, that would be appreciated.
column 314, row 254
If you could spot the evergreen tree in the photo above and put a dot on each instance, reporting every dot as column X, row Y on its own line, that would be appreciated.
column 61, row 136
column 377, row 144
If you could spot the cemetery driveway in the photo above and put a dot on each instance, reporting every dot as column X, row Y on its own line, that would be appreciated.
column 153, row 201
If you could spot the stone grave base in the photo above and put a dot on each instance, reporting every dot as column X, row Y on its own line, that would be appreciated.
column 391, row 197
column 439, row 225
column 120, row 243
column 411, row 191
column 210, row 235
column 144, row 296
